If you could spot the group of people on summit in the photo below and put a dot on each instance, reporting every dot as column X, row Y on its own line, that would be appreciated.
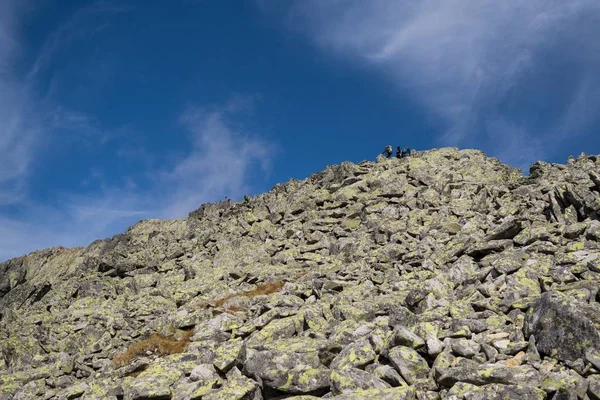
column 399, row 152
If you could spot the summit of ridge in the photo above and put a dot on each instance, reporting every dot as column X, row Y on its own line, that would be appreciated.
column 444, row 275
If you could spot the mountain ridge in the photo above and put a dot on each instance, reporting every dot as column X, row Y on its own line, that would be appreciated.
column 424, row 277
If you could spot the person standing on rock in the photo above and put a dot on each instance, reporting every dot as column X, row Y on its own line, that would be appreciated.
column 399, row 152
column 388, row 151
column 406, row 152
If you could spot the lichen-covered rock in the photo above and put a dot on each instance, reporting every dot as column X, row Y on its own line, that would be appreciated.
column 236, row 387
column 153, row 383
column 288, row 369
column 593, row 390
column 357, row 354
column 409, row 363
column 350, row 379
column 401, row 336
column 404, row 393
column 561, row 328
column 227, row 355
column 444, row 275
column 205, row 373
column 494, row 391
column 490, row 373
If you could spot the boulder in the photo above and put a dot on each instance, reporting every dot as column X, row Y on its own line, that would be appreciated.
column 561, row 328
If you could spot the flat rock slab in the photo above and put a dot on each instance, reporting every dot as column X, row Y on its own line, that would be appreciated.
column 495, row 391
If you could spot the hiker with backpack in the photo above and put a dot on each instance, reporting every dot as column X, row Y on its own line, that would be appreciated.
column 388, row 151
column 399, row 152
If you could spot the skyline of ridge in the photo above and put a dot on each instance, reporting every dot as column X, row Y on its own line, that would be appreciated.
column 112, row 112
column 316, row 174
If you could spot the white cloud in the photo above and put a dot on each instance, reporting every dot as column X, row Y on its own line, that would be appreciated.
column 222, row 155
column 218, row 164
column 220, row 158
column 79, row 26
column 18, row 125
column 77, row 221
column 18, row 133
column 473, row 63
column 27, row 123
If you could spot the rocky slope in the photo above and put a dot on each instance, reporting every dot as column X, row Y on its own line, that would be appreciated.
column 444, row 276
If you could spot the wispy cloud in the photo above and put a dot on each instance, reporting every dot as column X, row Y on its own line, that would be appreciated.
column 18, row 132
column 222, row 158
column 27, row 121
column 18, row 125
column 85, row 23
column 222, row 155
column 219, row 163
column 477, row 65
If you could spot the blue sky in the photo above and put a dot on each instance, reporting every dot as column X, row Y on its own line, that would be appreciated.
column 116, row 111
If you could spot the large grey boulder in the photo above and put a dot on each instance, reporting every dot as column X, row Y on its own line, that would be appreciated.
column 287, row 370
column 561, row 328
column 494, row 391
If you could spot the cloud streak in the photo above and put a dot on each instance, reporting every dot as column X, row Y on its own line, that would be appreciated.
column 80, row 26
column 18, row 126
column 219, row 163
column 27, row 122
column 475, row 65
column 221, row 158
